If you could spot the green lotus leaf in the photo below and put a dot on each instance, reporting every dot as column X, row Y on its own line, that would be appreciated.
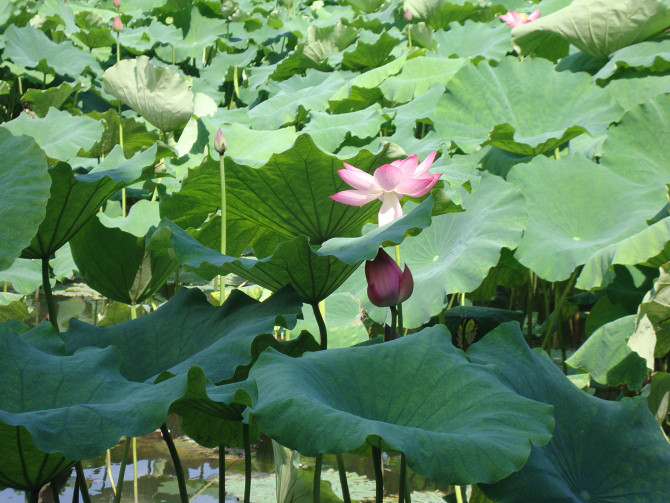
column 369, row 80
column 485, row 319
column 653, row 55
column 313, row 273
column 118, row 264
column 40, row 101
column 143, row 215
column 201, row 32
column 658, row 398
column 637, row 89
column 372, row 50
column 560, row 193
column 159, row 95
column 606, row 356
column 135, row 136
column 418, row 75
column 635, row 148
column 588, row 458
column 456, row 252
column 76, row 198
column 415, row 395
column 441, row 13
column 25, row 195
column 59, row 134
column 329, row 131
column 28, row 47
column 499, row 106
column 598, row 27
column 187, row 330
column 473, row 40
column 328, row 40
column 24, row 275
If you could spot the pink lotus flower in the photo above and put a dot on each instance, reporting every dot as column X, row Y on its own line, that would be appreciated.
column 117, row 24
column 513, row 19
column 117, row 3
column 387, row 284
column 220, row 144
column 388, row 184
column 408, row 15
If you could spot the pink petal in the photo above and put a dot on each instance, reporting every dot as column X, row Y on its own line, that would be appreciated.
column 517, row 17
column 354, row 197
column 383, row 276
column 359, row 179
column 535, row 14
column 406, row 285
column 388, row 177
column 417, row 187
column 390, row 209
column 426, row 164
column 407, row 165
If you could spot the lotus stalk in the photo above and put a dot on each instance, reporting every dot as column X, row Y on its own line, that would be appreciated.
column 221, row 146
column 388, row 184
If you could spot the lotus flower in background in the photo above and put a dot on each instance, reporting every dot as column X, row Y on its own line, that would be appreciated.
column 513, row 19
column 220, row 144
column 117, row 3
column 117, row 24
column 388, row 184
column 408, row 15
column 387, row 284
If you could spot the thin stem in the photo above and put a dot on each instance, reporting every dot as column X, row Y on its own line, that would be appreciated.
column 135, row 486
column 346, row 498
column 247, row 462
column 222, row 175
column 51, row 302
column 82, row 482
column 558, row 306
column 75, row 491
column 133, row 312
column 459, row 495
column 402, row 485
column 20, row 82
column 379, row 476
column 32, row 496
column 122, row 471
column 394, row 319
column 181, row 481
column 529, row 305
column 222, row 474
column 108, row 464
column 323, row 332
column 54, row 493
column 316, row 487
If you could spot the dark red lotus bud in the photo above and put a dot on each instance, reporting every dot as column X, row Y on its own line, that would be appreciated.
column 387, row 284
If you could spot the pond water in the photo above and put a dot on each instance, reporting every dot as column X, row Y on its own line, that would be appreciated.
column 156, row 480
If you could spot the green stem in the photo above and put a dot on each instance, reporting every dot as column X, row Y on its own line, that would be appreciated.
column 529, row 305
column 316, row 487
column 222, row 175
column 379, row 476
column 247, row 462
column 133, row 312
column 402, row 485
column 136, row 492
column 20, row 83
column 179, row 471
column 459, row 495
column 82, row 482
column 222, row 473
column 122, row 471
column 323, row 332
column 394, row 319
column 108, row 466
column 557, row 308
column 51, row 302
column 346, row 498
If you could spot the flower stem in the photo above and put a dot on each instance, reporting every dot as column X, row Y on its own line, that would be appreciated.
column 108, row 464
column 82, row 483
column 51, row 302
column 394, row 319
column 402, row 486
column 222, row 175
column 323, row 331
column 558, row 305
column 247, row 462
column 122, row 471
column 379, row 476
column 222, row 473
column 459, row 495
column 136, row 491
column 346, row 498
column 316, row 487
column 181, row 481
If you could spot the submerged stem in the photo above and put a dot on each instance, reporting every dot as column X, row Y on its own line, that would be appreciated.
column 316, row 488
column 379, row 475
column 346, row 498
column 179, row 471
column 247, row 462
column 82, row 482
column 51, row 302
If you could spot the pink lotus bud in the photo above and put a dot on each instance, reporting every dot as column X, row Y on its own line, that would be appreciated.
column 220, row 142
column 117, row 24
column 408, row 15
column 117, row 3
column 387, row 284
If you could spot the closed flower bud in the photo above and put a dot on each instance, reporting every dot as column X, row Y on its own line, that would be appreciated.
column 408, row 15
column 220, row 142
column 117, row 3
column 387, row 284
column 117, row 24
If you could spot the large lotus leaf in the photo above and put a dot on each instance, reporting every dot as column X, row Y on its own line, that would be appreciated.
column 636, row 147
column 638, row 88
column 202, row 32
column 418, row 394
column 117, row 264
column 329, row 131
column 313, row 273
column 24, row 275
column 76, row 198
column 523, row 107
column 440, row 13
column 160, row 95
column 589, row 456
column 40, row 101
column 598, row 27
column 323, row 41
column 23, row 202
column 188, row 331
column 653, row 55
column 372, row 50
column 28, row 47
column 369, row 80
column 418, row 75
column 79, row 405
column 59, row 134
column 456, row 252
column 473, row 40
column 571, row 201
column 606, row 356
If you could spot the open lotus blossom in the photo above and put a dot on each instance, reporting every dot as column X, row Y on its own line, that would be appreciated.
column 513, row 19
column 388, row 184
column 387, row 284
